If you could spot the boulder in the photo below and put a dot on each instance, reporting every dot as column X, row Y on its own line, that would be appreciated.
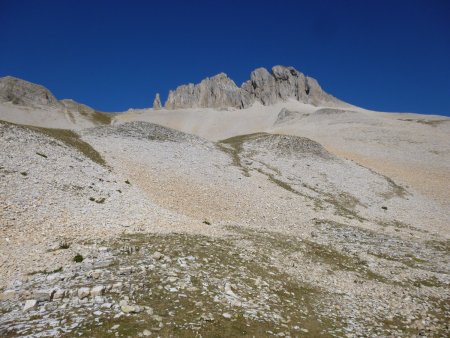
column 30, row 305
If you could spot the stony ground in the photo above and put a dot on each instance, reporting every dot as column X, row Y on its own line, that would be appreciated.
column 139, row 230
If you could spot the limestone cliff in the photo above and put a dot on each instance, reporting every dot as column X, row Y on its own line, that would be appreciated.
column 266, row 87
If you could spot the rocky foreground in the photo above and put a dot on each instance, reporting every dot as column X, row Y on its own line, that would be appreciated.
column 140, row 230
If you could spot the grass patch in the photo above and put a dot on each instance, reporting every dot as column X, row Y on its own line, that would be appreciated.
column 216, row 261
column 78, row 258
column 73, row 140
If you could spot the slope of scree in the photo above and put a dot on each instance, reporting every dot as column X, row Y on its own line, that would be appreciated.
column 295, row 242
column 142, row 131
column 58, row 186
column 304, row 167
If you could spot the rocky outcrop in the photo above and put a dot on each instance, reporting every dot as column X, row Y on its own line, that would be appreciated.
column 281, row 84
column 25, row 93
column 17, row 96
column 157, row 102
column 286, row 115
column 216, row 92
column 284, row 83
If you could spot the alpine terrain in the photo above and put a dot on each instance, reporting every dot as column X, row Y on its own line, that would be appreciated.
column 270, row 209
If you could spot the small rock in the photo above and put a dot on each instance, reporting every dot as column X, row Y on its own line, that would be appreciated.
column 43, row 295
column 117, row 287
column 229, row 291
column 115, row 327
column 157, row 318
column 8, row 295
column 99, row 299
column 102, row 264
column 95, row 274
column 126, row 271
column 207, row 317
column 83, row 292
column 59, row 294
column 157, row 255
column 146, row 333
column 29, row 305
column 226, row 315
column 97, row 290
column 128, row 309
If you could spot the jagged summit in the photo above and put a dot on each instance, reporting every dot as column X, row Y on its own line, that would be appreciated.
column 267, row 88
column 214, row 92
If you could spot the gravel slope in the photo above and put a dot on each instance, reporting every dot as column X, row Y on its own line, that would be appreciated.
column 260, row 234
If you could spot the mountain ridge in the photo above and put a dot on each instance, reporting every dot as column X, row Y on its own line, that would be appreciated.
column 267, row 88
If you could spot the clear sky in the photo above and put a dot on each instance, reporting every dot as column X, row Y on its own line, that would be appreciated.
column 112, row 55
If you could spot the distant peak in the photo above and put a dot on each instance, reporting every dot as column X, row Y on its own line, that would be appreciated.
column 281, row 84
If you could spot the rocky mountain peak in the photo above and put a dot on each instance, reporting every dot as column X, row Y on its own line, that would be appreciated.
column 266, row 87
column 25, row 93
column 215, row 92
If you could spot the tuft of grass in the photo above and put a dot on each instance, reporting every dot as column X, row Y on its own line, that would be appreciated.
column 23, row 173
column 206, row 222
column 78, row 258
column 64, row 246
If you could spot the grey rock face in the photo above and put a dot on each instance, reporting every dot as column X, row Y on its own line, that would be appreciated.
column 285, row 83
column 261, row 86
column 157, row 102
column 267, row 88
column 216, row 92
column 25, row 93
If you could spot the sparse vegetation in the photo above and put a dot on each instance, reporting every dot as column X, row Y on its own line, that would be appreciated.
column 64, row 246
column 73, row 140
column 78, row 258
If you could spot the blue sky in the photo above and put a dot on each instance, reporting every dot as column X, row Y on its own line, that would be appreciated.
column 112, row 55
